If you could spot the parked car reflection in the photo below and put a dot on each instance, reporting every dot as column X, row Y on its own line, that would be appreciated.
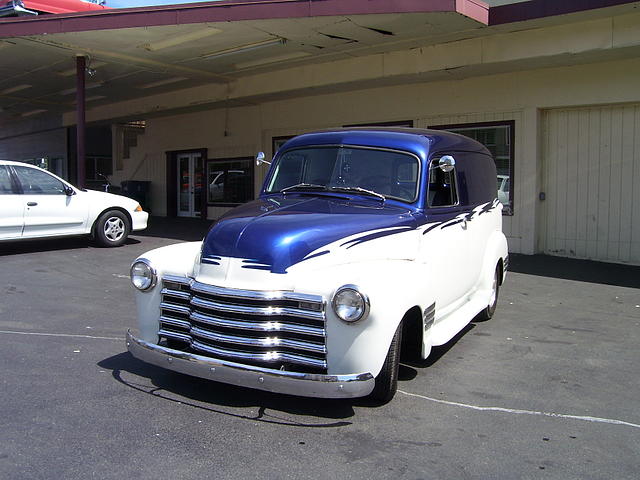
column 503, row 189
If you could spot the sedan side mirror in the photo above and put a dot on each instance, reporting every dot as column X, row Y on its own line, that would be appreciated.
column 68, row 191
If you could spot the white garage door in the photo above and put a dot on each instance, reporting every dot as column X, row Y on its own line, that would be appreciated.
column 591, row 183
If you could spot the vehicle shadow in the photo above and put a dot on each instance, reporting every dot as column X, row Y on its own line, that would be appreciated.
column 52, row 245
column 572, row 269
column 213, row 396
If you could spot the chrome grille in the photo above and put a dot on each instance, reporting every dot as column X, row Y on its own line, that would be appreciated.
column 282, row 330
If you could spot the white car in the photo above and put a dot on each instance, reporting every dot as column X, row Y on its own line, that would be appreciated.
column 35, row 203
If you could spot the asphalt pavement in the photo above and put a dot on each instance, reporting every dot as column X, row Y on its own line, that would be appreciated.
column 547, row 389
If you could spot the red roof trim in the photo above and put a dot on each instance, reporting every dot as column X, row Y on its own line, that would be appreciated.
column 234, row 10
column 519, row 12
column 230, row 10
column 62, row 6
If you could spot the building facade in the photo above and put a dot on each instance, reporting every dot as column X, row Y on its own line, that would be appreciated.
column 555, row 99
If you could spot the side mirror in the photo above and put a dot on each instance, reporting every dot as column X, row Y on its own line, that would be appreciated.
column 68, row 191
column 447, row 163
column 260, row 159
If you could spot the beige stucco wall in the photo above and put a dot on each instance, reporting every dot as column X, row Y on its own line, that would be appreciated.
column 517, row 96
column 499, row 50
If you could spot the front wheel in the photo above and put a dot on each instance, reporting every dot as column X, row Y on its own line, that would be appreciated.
column 387, row 380
column 490, row 309
column 112, row 229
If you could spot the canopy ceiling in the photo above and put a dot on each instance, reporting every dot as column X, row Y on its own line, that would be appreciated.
column 133, row 53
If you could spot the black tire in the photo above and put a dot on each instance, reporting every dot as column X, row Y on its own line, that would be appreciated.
column 490, row 309
column 112, row 229
column 387, row 380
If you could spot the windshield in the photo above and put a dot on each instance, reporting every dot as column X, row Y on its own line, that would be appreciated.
column 389, row 173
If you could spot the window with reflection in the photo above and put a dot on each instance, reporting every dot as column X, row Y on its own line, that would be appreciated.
column 498, row 138
column 384, row 172
column 5, row 181
column 38, row 182
column 230, row 181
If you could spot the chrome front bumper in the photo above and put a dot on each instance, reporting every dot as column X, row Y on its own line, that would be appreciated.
column 302, row 384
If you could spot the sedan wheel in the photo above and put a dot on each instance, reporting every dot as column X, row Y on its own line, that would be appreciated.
column 112, row 229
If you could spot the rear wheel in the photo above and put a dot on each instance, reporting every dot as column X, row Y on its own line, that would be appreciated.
column 387, row 380
column 112, row 228
column 490, row 309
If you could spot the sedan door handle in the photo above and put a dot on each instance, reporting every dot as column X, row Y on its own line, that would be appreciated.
column 32, row 204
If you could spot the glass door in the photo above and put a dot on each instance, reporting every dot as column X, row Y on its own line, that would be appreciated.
column 189, row 184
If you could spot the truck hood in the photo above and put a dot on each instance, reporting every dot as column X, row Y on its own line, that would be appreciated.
column 275, row 233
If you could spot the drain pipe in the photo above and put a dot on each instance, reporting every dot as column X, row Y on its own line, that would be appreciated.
column 81, row 66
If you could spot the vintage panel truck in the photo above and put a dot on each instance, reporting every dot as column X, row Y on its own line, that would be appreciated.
column 363, row 243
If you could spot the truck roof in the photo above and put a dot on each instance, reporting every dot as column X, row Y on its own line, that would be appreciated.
column 419, row 141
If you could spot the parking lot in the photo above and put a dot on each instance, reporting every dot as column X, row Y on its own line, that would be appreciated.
column 546, row 389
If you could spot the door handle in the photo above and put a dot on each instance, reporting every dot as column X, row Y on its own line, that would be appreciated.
column 32, row 204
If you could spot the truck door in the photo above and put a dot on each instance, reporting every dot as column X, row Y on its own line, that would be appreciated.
column 447, row 244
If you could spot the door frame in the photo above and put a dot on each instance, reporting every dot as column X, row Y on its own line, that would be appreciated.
column 172, row 181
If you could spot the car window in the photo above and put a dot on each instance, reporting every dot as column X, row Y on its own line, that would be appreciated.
column 442, row 187
column 389, row 173
column 5, row 181
column 38, row 182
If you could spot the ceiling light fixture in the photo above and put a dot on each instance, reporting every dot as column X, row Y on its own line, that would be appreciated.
column 15, row 89
column 245, row 48
column 33, row 112
column 72, row 71
column 89, row 99
column 180, row 39
column 166, row 81
column 88, row 86
column 266, row 61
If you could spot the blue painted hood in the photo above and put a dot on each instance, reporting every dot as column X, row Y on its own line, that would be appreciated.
column 277, row 232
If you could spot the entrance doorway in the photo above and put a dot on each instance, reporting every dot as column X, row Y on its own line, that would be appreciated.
column 185, row 180
column 189, row 184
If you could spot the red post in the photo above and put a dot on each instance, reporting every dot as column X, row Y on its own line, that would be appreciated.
column 80, row 119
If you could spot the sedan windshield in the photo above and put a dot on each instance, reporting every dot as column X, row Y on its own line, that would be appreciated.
column 367, row 171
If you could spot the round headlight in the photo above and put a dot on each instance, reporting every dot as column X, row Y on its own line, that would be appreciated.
column 350, row 304
column 143, row 276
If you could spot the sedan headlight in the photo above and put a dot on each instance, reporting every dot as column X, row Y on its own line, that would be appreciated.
column 349, row 304
column 143, row 275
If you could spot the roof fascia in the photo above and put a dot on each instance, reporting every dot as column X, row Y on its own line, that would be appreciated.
column 534, row 9
column 229, row 11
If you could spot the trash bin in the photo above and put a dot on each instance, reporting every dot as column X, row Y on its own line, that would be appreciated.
column 138, row 190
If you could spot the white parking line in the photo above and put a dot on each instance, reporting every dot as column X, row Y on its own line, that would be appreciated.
column 523, row 412
column 61, row 335
column 609, row 421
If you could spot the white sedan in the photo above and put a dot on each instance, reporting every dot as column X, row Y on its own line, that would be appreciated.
column 34, row 203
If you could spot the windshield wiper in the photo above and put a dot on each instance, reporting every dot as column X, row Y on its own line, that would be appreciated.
column 359, row 190
column 304, row 186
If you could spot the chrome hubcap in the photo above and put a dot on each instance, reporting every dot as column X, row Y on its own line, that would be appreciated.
column 114, row 229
